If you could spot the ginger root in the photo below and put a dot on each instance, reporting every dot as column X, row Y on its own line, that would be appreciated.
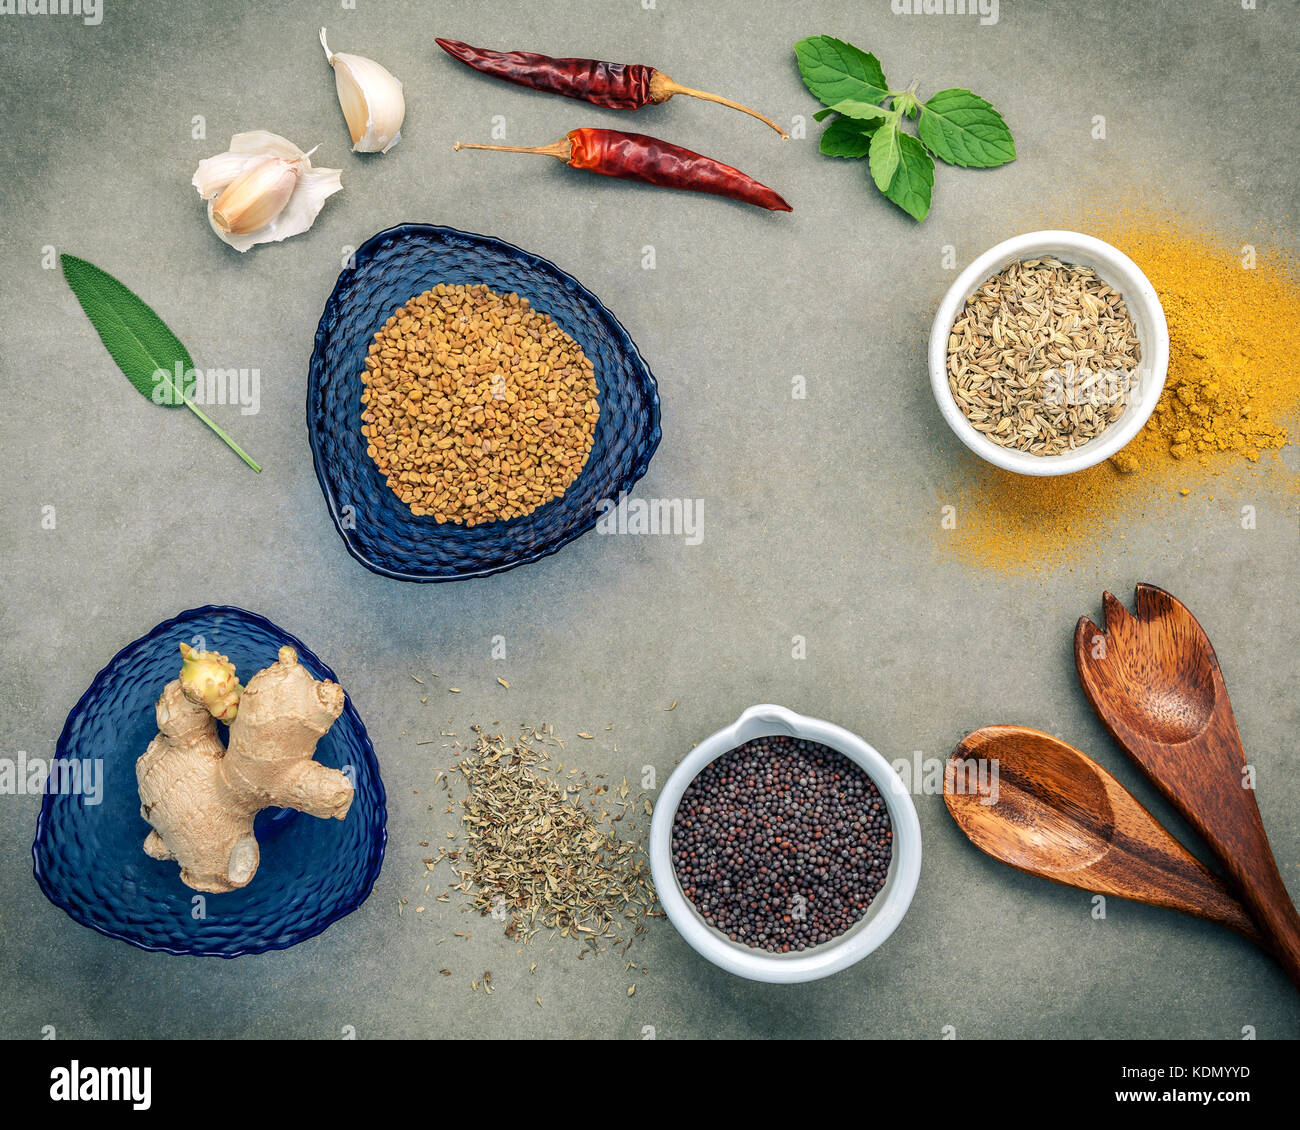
column 209, row 680
column 201, row 798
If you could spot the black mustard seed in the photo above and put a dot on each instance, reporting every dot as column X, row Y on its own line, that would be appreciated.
column 782, row 844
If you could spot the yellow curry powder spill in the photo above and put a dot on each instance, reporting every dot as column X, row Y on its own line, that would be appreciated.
column 1230, row 396
column 1234, row 343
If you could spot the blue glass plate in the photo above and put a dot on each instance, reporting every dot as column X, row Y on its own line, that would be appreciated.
column 88, row 857
column 378, row 529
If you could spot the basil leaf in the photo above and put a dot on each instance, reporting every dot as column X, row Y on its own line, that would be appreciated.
column 906, row 104
column 836, row 71
column 962, row 129
column 848, row 137
column 826, row 113
column 137, row 339
column 914, row 179
column 884, row 154
column 854, row 108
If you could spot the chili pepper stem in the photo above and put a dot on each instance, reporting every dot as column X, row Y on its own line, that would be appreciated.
column 662, row 88
column 562, row 149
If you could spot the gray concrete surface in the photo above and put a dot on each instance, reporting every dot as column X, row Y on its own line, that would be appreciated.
column 821, row 515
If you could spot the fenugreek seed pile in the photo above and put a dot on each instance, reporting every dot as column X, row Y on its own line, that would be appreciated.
column 1044, row 357
column 476, row 407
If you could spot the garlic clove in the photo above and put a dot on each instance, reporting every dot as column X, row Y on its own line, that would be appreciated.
column 256, row 150
column 246, row 150
column 255, row 197
column 371, row 98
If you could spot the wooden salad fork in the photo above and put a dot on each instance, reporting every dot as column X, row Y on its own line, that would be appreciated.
column 1154, row 681
column 1061, row 816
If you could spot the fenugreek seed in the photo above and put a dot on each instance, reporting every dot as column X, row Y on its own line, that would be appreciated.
column 458, row 434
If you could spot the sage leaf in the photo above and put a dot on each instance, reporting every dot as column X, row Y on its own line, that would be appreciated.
column 848, row 137
column 913, row 179
column 884, row 154
column 962, row 129
column 135, row 337
column 139, row 341
column 835, row 71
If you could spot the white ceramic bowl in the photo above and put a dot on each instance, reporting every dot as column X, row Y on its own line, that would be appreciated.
column 1117, row 270
column 885, row 912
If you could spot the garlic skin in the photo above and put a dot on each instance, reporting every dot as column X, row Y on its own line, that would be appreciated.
column 263, row 189
column 371, row 98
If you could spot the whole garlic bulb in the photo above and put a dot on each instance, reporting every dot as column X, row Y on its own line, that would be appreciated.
column 263, row 189
column 371, row 98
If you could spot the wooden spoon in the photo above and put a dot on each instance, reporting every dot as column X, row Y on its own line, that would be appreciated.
column 1060, row 815
column 1155, row 683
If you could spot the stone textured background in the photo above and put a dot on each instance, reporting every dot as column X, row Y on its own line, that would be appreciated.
column 821, row 515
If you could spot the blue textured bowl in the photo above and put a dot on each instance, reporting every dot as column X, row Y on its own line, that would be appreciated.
column 88, row 857
column 378, row 529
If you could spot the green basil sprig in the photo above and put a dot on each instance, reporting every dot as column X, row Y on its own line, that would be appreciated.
column 958, row 127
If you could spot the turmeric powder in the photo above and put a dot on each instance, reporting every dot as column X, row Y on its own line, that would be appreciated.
column 1234, row 346
column 1232, row 389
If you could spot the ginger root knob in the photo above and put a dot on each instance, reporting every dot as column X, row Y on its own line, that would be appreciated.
column 208, row 680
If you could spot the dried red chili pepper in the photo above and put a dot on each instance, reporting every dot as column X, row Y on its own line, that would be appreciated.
column 620, row 86
column 634, row 156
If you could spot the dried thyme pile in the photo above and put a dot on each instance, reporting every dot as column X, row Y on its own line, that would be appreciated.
column 1044, row 357
column 536, row 859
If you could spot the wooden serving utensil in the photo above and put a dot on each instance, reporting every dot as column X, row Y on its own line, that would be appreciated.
column 1154, row 681
column 1061, row 816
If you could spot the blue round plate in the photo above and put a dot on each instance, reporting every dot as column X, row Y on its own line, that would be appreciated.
column 378, row 529
column 88, row 857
